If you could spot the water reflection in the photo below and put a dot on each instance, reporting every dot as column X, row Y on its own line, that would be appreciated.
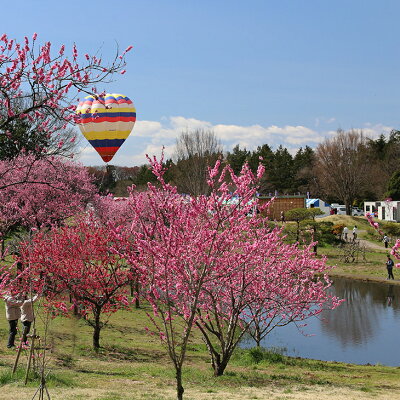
column 390, row 297
column 361, row 316
column 357, row 320
column 359, row 331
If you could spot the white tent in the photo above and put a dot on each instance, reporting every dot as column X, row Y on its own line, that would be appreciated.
column 318, row 203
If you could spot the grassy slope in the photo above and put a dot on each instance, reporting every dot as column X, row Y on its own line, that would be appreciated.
column 133, row 365
column 373, row 268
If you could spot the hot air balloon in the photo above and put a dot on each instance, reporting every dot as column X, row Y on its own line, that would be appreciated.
column 106, row 121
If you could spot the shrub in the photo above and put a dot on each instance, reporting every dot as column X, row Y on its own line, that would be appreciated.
column 338, row 229
column 326, row 233
column 391, row 229
column 256, row 355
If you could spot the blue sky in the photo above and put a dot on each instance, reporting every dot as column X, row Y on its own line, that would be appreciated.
column 287, row 72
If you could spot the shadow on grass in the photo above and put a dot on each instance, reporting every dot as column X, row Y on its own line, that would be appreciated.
column 120, row 353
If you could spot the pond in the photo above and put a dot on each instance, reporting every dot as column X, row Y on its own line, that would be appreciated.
column 365, row 329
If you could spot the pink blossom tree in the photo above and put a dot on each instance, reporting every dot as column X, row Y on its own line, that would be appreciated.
column 40, row 192
column 286, row 299
column 205, row 260
column 78, row 262
column 113, row 213
column 268, row 284
column 39, row 85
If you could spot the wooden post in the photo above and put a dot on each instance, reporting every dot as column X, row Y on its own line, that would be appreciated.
column 17, row 359
column 31, row 352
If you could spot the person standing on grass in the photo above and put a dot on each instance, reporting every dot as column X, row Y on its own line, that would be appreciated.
column 27, row 315
column 389, row 267
column 386, row 241
column 13, row 303
column 345, row 233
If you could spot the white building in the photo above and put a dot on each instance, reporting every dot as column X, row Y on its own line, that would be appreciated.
column 384, row 210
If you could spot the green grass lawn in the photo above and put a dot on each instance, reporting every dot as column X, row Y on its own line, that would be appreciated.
column 134, row 365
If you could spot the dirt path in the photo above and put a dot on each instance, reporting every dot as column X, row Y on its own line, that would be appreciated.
column 371, row 245
column 368, row 244
column 139, row 390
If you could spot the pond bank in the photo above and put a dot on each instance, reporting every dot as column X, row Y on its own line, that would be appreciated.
column 365, row 278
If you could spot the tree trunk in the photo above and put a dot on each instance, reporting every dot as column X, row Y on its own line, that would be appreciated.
column 96, row 331
column 256, row 334
column 257, row 338
column 137, row 289
column 220, row 364
column 219, row 361
column 76, row 311
column 314, row 235
column 179, row 387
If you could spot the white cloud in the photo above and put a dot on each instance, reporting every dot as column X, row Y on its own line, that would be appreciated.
column 149, row 137
column 373, row 131
column 183, row 124
column 146, row 128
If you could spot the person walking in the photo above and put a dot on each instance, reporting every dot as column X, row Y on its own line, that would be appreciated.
column 386, row 241
column 389, row 267
column 13, row 313
column 345, row 233
column 355, row 231
column 27, row 315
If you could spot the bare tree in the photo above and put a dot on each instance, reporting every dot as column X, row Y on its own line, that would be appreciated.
column 195, row 150
column 341, row 166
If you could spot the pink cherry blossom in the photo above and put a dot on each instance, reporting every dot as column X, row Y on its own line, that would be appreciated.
column 212, row 261
column 54, row 76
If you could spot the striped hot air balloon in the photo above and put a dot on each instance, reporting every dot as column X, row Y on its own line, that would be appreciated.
column 106, row 121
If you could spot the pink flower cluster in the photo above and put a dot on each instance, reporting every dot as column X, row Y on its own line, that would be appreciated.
column 43, row 80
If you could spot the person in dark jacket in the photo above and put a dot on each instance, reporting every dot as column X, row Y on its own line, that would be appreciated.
column 389, row 267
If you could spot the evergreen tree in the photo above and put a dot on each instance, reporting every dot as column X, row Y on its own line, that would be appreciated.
column 237, row 158
column 19, row 139
column 394, row 187
column 303, row 169
column 282, row 173
column 267, row 155
column 144, row 175
column 384, row 157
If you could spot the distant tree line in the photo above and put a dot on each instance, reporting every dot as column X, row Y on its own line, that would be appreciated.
column 348, row 168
